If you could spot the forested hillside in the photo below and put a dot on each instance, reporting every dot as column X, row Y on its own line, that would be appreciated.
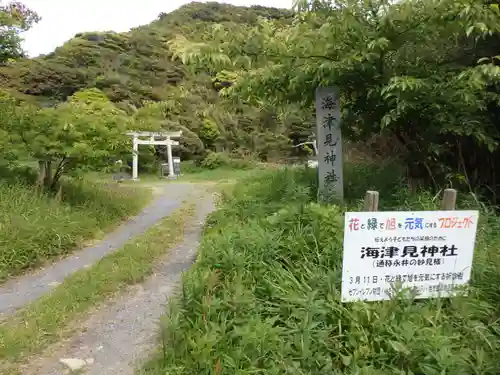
column 136, row 71
column 419, row 75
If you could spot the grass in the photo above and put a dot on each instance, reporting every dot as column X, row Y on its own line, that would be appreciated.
column 54, row 316
column 219, row 175
column 36, row 227
column 264, row 295
column 190, row 173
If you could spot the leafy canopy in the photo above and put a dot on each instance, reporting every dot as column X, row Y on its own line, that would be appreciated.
column 414, row 70
column 14, row 19
column 86, row 132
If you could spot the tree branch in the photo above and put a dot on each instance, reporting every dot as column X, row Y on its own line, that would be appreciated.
column 58, row 173
column 288, row 56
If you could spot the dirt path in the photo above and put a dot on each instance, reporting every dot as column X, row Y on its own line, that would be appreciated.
column 27, row 288
column 124, row 331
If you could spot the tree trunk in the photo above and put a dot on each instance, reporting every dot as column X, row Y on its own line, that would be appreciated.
column 47, row 181
column 59, row 194
column 44, row 178
column 41, row 173
column 57, row 175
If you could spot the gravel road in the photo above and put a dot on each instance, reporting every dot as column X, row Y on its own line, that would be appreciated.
column 27, row 288
column 123, row 332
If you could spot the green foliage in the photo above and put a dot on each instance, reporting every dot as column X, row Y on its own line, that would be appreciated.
column 37, row 227
column 148, row 160
column 264, row 295
column 14, row 19
column 209, row 133
column 422, row 73
column 84, row 132
column 214, row 160
column 91, row 97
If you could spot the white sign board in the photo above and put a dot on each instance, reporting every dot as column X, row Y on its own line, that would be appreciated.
column 428, row 251
column 329, row 143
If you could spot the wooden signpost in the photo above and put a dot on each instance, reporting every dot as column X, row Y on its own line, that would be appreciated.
column 166, row 140
column 329, row 144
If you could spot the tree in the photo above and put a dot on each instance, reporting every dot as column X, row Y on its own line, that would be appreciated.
column 10, row 109
column 86, row 132
column 209, row 133
column 399, row 65
column 14, row 19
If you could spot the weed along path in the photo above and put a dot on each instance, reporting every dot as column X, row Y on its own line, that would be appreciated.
column 22, row 290
column 122, row 333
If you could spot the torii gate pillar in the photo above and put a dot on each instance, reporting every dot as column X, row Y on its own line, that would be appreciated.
column 171, row 174
column 135, row 158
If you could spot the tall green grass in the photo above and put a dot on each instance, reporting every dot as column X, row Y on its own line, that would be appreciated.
column 264, row 295
column 36, row 227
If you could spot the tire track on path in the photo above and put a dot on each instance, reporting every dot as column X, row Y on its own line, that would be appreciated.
column 123, row 333
column 24, row 289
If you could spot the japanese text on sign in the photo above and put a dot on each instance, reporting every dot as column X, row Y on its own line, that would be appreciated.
column 428, row 251
column 329, row 140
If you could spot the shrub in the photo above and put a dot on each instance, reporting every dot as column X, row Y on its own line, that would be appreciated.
column 214, row 160
column 264, row 295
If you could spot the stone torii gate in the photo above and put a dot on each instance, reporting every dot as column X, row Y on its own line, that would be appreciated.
column 165, row 141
